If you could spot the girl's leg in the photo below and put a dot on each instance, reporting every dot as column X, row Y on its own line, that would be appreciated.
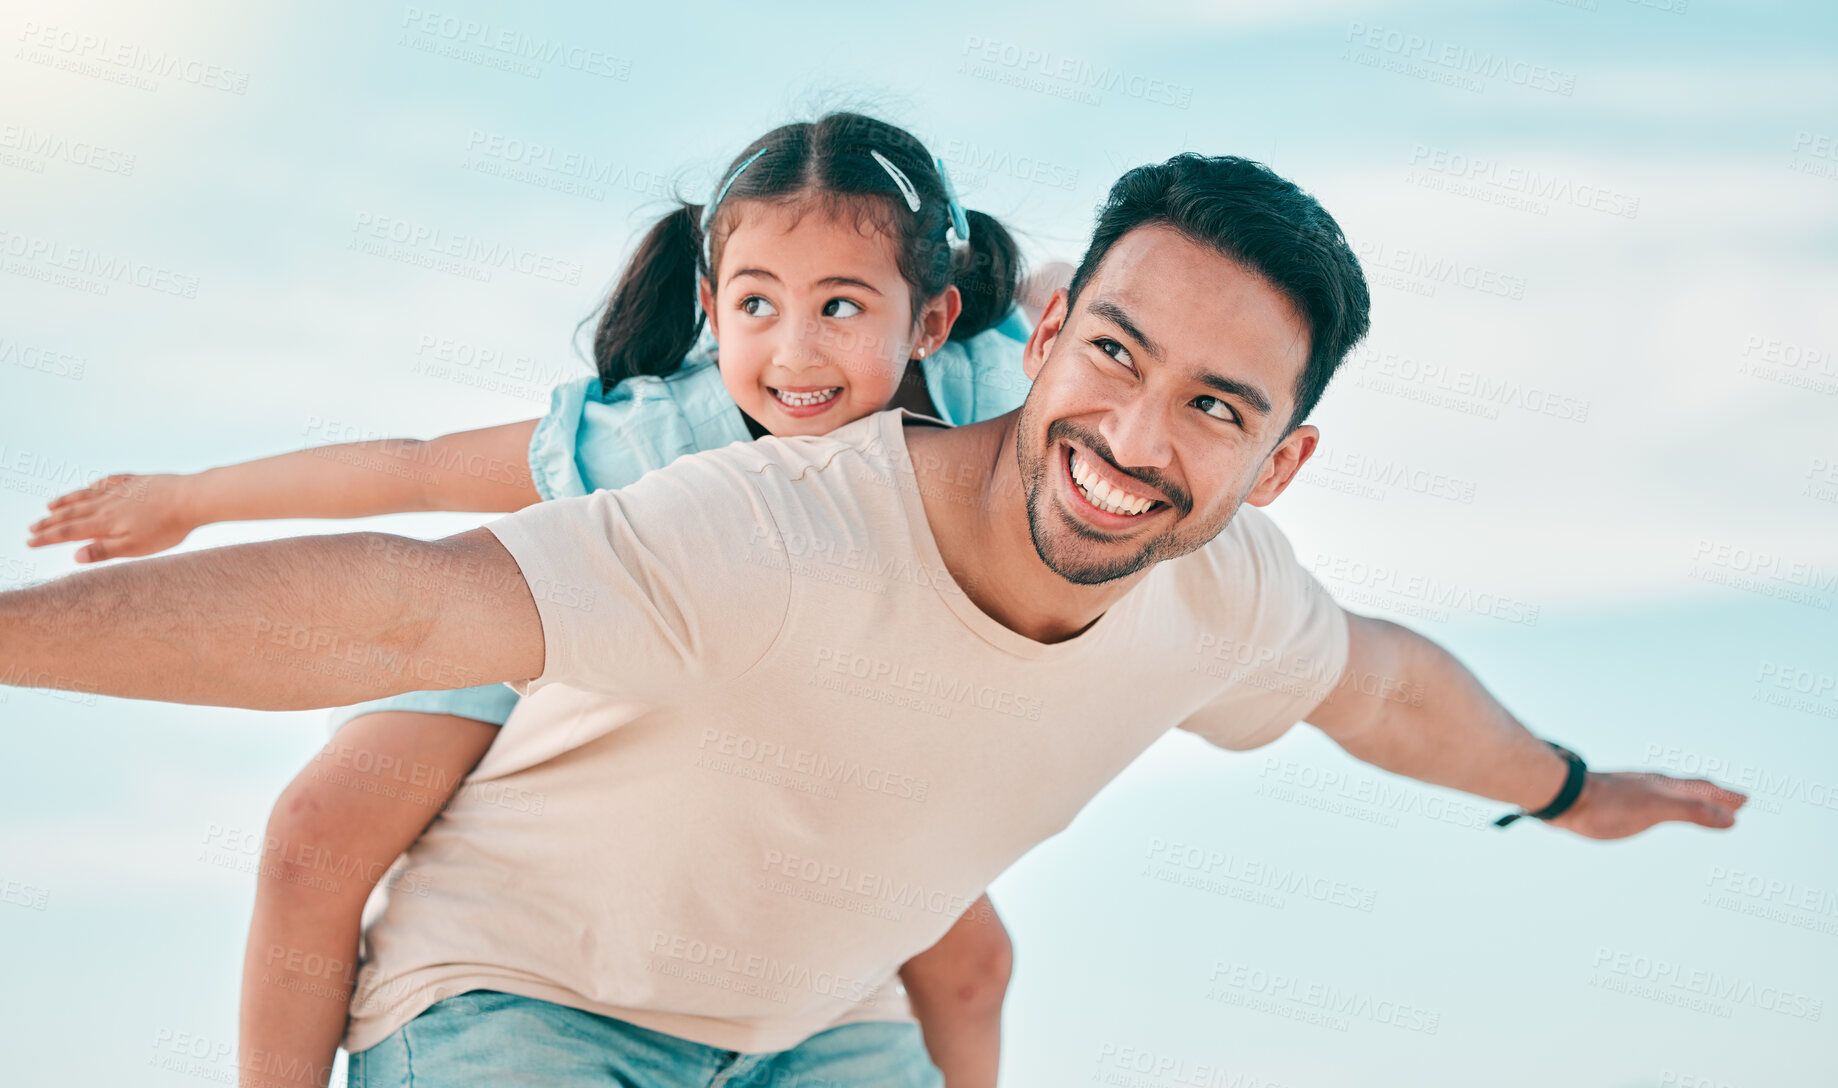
column 334, row 833
column 956, row 989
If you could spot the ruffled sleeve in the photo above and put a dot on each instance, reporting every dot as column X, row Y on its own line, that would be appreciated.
column 981, row 377
column 590, row 440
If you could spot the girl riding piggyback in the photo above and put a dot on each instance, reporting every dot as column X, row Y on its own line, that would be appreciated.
column 838, row 276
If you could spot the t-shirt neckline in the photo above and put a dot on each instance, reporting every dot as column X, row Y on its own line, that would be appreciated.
column 987, row 627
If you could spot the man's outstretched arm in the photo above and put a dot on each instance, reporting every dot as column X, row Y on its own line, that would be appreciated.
column 1407, row 705
column 282, row 625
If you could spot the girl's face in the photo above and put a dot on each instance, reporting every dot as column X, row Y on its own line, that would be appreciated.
column 814, row 320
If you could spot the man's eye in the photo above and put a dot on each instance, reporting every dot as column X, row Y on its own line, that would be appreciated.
column 1216, row 408
column 840, row 307
column 757, row 306
column 1105, row 344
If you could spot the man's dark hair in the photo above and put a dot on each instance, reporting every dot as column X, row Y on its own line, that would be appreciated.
column 1247, row 213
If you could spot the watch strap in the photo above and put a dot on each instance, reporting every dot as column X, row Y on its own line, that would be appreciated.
column 1572, row 789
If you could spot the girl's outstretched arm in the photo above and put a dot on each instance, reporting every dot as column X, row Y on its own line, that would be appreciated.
column 485, row 470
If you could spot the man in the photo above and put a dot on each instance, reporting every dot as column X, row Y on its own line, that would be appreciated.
column 795, row 703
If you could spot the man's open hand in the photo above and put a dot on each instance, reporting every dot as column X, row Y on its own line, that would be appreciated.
column 1616, row 804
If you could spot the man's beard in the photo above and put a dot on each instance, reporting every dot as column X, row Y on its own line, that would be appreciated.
column 1057, row 535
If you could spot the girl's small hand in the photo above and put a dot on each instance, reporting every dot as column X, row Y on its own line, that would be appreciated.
column 121, row 516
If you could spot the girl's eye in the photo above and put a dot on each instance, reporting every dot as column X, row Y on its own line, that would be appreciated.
column 834, row 308
column 757, row 306
column 1223, row 410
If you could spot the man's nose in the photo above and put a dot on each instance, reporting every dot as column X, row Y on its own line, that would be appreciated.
column 1137, row 432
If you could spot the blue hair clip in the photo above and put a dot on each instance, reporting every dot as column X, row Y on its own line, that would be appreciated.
column 958, row 233
column 708, row 210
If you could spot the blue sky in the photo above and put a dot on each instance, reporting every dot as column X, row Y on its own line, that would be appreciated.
column 1601, row 387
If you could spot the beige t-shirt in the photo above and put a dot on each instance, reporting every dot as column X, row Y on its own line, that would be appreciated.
column 775, row 751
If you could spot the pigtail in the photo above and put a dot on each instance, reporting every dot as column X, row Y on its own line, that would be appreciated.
column 653, row 317
column 987, row 273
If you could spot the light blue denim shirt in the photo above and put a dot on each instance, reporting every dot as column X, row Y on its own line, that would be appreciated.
column 591, row 440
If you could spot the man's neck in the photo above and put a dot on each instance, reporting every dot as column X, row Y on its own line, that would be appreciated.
column 977, row 506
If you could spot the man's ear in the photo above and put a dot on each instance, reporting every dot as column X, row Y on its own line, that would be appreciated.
column 1046, row 330
column 1283, row 463
column 707, row 296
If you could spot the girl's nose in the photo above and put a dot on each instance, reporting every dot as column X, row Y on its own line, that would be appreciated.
column 801, row 347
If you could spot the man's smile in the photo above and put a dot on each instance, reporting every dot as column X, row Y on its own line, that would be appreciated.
column 1103, row 495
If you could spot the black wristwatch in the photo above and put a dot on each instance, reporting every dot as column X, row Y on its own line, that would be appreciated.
column 1573, row 788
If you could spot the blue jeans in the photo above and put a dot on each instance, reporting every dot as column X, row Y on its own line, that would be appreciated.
column 489, row 1038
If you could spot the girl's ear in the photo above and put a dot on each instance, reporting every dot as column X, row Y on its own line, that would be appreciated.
column 707, row 295
column 936, row 320
column 1046, row 330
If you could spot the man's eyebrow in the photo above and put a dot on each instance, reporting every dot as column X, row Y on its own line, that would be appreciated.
column 1256, row 398
column 1113, row 313
column 1232, row 387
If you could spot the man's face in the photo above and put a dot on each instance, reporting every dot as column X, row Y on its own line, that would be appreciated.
column 1157, row 406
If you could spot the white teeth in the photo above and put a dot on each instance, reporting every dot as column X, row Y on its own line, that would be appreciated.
column 805, row 400
column 1102, row 495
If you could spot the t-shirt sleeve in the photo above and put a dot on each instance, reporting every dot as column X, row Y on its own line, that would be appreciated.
column 1281, row 655
column 680, row 579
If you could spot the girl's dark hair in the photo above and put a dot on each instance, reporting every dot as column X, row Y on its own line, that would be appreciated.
column 653, row 317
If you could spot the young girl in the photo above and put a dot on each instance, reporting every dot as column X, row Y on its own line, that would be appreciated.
column 832, row 254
